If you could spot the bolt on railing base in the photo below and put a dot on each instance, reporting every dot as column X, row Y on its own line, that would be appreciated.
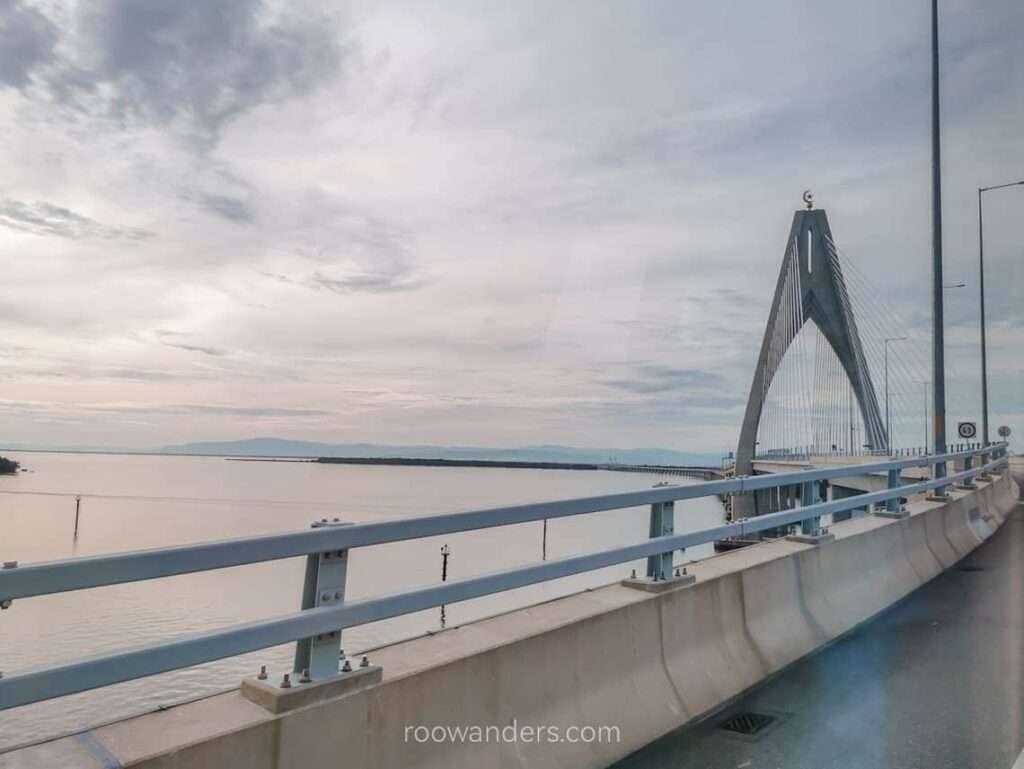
column 938, row 498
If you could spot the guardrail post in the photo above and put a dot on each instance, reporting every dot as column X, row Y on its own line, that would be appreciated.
column 811, row 532
column 659, row 567
column 969, row 482
column 983, row 459
column 5, row 603
column 893, row 507
column 324, row 585
column 939, row 470
column 809, row 496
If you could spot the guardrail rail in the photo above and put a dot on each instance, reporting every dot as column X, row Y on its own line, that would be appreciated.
column 325, row 613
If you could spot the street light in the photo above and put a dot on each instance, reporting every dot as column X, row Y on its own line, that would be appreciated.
column 938, row 335
column 981, row 283
column 925, row 383
column 954, row 285
column 888, row 422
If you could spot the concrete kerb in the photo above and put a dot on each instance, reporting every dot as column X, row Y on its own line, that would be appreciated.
column 915, row 542
column 935, row 535
column 708, row 654
column 776, row 619
column 578, row 674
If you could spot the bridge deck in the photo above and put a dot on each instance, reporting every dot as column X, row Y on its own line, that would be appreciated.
column 937, row 681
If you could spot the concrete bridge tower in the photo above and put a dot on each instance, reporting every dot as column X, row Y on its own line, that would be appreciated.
column 810, row 288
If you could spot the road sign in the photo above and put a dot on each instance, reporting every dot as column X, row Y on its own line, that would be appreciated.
column 967, row 430
column 1004, row 432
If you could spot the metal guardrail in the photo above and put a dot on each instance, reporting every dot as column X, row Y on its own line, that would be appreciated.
column 317, row 627
column 803, row 453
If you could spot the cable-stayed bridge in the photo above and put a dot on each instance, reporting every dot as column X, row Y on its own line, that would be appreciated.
column 639, row 657
column 839, row 373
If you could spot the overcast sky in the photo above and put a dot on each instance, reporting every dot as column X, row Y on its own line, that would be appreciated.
column 471, row 222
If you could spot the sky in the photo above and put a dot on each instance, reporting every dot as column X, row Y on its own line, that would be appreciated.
column 478, row 223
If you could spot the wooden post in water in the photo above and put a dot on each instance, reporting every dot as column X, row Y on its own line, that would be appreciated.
column 445, row 552
column 78, row 507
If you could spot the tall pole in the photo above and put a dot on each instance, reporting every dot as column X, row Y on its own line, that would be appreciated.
column 981, row 284
column 938, row 336
column 925, row 417
column 888, row 422
column 849, row 412
column 984, row 354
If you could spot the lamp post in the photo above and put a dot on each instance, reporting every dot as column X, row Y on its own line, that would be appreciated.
column 888, row 422
column 925, row 417
column 981, row 283
column 938, row 337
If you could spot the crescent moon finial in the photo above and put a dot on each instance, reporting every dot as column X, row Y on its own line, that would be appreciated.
column 809, row 199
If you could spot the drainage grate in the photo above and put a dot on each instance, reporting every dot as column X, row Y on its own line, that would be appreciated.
column 747, row 723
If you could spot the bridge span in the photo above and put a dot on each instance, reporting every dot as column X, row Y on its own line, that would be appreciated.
column 641, row 658
column 934, row 681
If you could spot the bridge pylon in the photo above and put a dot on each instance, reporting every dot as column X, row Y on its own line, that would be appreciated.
column 810, row 288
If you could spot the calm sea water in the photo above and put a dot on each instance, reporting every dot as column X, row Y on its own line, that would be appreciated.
column 132, row 502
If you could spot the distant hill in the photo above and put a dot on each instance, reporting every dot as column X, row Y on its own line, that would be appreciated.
column 280, row 447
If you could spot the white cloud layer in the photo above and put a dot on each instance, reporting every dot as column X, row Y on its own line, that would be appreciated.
column 471, row 222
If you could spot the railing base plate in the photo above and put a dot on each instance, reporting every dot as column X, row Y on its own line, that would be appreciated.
column 277, row 700
column 811, row 539
column 650, row 586
column 894, row 514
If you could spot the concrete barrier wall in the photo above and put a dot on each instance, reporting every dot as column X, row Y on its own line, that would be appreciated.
column 643, row 663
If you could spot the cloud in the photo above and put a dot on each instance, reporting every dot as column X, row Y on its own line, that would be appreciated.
column 507, row 225
column 212, row 351
column 352, row 249
column 179, row 340
column 226, row 207
column 192, row 67
column 381, row 283
column 201, row 409
column 251, row 411
column 47, row 219
column 27, row 39
column 652, row 378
